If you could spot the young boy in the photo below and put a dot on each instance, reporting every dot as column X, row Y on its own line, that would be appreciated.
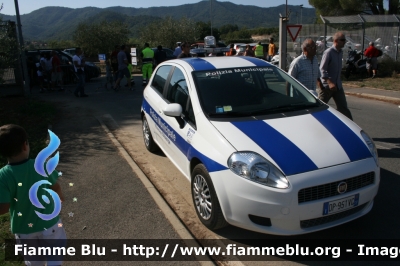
column 16, row 179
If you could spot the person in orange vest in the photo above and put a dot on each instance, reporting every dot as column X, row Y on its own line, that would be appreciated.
column 271, row 49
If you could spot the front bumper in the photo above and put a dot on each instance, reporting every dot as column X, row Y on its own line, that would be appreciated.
column 240, row 198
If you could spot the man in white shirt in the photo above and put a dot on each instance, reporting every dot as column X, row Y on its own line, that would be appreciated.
column 178, row 50
column 79, row 67
column 305, row 67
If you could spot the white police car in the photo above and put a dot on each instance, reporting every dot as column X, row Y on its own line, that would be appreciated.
column 261, row 152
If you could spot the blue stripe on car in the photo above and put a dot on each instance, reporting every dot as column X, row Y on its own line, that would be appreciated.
column 199, row 64
column 287, row 155
column 188, row 150
column 355, row 148
column 257, row 62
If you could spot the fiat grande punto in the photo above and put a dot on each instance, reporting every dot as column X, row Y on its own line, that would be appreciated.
column 261, row 151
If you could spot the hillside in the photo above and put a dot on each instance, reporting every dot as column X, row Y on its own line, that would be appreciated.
column 52, row 23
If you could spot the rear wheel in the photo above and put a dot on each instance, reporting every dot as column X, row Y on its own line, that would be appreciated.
column 348, row 70
column 205, row 199
column 147, row 137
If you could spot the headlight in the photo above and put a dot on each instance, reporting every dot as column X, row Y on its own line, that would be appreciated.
column 254, row 167
column 371, row 146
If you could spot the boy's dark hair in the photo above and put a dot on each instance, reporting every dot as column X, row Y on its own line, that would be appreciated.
column 12, row 137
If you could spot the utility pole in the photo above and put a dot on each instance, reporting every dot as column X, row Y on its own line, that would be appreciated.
column 283, row 39
column 211, row 16
column 21, row 46
column 301, row 14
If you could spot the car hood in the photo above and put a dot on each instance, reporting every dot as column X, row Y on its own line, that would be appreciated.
column 299, row 144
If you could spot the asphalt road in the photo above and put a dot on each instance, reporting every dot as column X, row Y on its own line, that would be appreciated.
column 121, row 113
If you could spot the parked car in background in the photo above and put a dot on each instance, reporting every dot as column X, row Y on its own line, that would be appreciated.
column 328, row 40
column 91, row 70
column 71, row 51
column 169, row 52
column 242, row 49
column 236, row 46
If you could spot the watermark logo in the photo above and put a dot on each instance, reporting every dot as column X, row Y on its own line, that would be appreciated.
column 45, row 170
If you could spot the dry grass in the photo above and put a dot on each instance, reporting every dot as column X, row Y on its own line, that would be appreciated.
column 386, row 83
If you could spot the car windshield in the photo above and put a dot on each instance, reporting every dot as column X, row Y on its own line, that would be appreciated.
column 250, row 91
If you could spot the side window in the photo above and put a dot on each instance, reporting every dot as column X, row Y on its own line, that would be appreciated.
column 160, row 78
column 177, row 89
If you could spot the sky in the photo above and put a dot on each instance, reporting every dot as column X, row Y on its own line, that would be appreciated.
column 27, row 6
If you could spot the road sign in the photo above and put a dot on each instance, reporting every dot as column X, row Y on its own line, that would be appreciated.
column 293, row 31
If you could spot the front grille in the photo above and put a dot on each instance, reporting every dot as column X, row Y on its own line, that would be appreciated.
column 330, row 218
column 330, row 190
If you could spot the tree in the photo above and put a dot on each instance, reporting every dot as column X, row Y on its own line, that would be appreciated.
column 225, row 29
column 99, row 38
column 169, row 31
column 60, row 44
column 353, row 7
column 205, row 30
column 8, row 46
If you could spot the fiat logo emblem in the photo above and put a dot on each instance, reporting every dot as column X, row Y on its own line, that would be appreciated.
column 342, row 187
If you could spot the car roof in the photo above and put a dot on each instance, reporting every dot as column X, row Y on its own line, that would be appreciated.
column 220, row 62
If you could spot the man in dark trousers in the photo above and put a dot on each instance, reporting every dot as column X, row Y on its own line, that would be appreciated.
column 160, row 55
column 123, row 70
column 114, row 62
column 331, row 67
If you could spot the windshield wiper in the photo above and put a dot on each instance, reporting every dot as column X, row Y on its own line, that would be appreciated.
column 288, row 107
column 236, row 114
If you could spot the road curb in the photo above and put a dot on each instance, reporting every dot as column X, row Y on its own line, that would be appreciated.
column 176, row 223
column 388, row 99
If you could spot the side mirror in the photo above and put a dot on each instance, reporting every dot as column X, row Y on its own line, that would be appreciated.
column 173, row 109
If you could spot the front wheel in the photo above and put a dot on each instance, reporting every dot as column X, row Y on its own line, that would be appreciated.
column 205, row 199
column 151, row 146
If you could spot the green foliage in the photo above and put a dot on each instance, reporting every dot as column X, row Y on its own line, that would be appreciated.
column 264, row 31
column 100, row 37
column 168, row 31
column 388, row 66
column 60, row 44
column 204, row 30
column 353, row 7
column 8, row 46
column 225, row 29
column 59, row 23
column 240, row 34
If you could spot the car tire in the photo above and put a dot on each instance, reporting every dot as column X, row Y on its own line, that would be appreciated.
column 151, row 146
column 205, row 199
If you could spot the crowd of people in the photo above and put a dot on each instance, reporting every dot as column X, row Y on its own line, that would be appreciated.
column 47, row 72
column 323, row 80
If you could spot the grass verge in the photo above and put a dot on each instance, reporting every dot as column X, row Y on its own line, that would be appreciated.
column 34, row 116
column 386, row 83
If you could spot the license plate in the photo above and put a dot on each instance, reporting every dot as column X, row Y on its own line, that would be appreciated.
column 340, row 204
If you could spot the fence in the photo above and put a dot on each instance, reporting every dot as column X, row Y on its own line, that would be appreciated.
column 11, row 81
column 383, row 30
